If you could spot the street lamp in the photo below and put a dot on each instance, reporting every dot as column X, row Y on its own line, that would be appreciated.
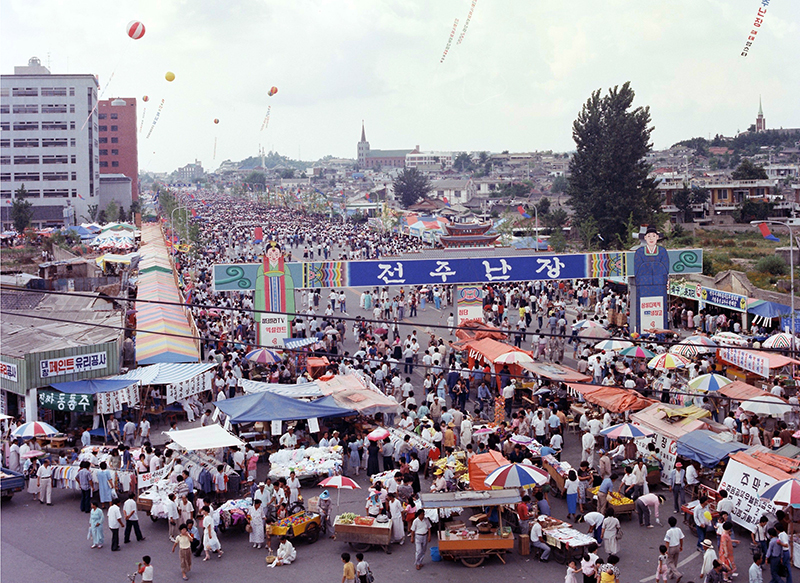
column 536, row 230
column 791, row 265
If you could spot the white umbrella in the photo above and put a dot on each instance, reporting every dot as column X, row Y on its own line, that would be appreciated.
column 514, row 357
column 769, row 405
column 613, row 345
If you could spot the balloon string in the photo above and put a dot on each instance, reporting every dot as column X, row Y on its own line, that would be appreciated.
column 155, row 119
column 214, row 157
column 144, row 113
column 103, row 92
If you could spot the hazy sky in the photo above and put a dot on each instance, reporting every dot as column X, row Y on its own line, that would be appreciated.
column 516, row 82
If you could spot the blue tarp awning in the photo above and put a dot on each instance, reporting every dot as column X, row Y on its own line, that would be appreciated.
column 93, row 386
column 768, row 310
column 296, row 343
column 271, row 407
column 703, row 446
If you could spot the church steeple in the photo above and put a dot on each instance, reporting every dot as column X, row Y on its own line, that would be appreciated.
column 364, row 134
column 362, row 149
column 761, row 121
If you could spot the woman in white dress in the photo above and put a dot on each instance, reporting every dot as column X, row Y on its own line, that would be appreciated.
column 396, row 512
column 255, row 517
column 609, row 532
column 294, row 488
column 210, row 539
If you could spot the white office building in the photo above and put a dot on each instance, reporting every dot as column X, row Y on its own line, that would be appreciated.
column 48, row 143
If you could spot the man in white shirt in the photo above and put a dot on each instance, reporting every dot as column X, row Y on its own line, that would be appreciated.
column 595, row 522
column 725, row 504
column 129, row 433
column 131, row 520
column 144, row 430
column 44, row 482
column 674, row 540
column 172, row 516
column 289, row 439
column 587, row 447
column 537, row 541
column 115, row 523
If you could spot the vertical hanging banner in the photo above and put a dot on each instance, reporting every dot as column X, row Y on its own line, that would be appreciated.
column 469, row 303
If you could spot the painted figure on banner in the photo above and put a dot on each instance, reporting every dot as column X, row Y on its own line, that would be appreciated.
column 651, row 270
column 274, row 288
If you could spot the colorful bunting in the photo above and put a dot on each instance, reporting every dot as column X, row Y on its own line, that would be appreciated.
column 449, row 40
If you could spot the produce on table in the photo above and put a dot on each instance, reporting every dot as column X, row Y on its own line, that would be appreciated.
column 615, row 498
column 346, row 518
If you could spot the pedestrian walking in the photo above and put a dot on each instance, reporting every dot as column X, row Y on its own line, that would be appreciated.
column 662, row 566
column 611, row 532
column 420, row 536
column 146, row 569
column 86, row 485
column 348, row 570
column 184, row 542
column 131, row 514
column 674, row 539
column 363, row 572
column 44, row 482
column 96, row 526
column 114, row 523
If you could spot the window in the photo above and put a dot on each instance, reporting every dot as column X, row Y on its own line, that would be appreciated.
column 101, row 116
column 5, row 177
column 5, row 159
column 4, row 92
column 26, row 159
column 54, row 142
column 61, row 159
column 23, row 109
column 115, row 140
column 25, row 92
column 115, row 164
column 54, row 108
column 72, row 92
column 3, row 108
column 26, row 176
column 72, row 159
column 72, row 142
column 72, row 108
column 5, row 126
column 5, row 143
column 56, row 193
column 114, row 116
column 72, row 125
column 54, row 91
column 103, row 164
column 114, row 128
column 73, row 176
column 51, row 176
column 74, row 193
column 104, row 152
column 26, row 143
column 114, row 152
column 54, row 125
column 26, row 126
column 103, row 128
column 5, row 194
column 103, row 140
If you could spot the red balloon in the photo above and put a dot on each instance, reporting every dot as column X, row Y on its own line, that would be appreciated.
column 273, row 91
column 145, row 99
column 135, row 29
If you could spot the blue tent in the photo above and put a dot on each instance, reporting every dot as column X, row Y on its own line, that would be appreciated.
column 271, row 407
column 704, row 446
column 93, row 386
column 768, row 310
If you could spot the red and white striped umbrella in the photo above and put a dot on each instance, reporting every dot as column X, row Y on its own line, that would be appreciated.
column 340, row 482
column 781, row 340
column 33, row 429
column 378, row 434
column 668, row 361
column 517, row 476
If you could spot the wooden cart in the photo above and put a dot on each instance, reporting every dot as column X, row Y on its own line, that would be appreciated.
column 361, row 537
column 557, row 481
column 303, row 524
column 472, row 548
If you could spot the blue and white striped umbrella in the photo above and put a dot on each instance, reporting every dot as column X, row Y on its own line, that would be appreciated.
column 517, row 476
column 783, row 492
column 709, row 382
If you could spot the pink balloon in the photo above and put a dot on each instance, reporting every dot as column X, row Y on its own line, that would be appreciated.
column 135, row 29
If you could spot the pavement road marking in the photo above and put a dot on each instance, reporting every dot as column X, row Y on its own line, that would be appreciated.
column 688, row 559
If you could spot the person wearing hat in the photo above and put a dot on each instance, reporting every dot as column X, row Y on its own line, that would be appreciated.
column 651, row 269
column 449, row 438
column 325, row 509
column 709, row 558
column 604, row 464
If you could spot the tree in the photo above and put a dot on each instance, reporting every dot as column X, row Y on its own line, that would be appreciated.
column 463, row 163
column 112, row 211
column 21, row 210
column 557, row 240
column 555, row 219
column 544, row 206
column 123, row 216
column 609, row 171
column 560, row 184
column 92, row 213
column 686, row 197
column 410, row 186
column 749, row 171
column 287, row 173
column 256, row 178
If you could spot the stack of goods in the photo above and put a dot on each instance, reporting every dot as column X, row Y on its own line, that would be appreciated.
column 562, row 467
column 397, row 435
column 548, row 522
column 455, row 462
column 286, row 526
column 614, row 498
column 499, row 410
column 234, row 511
column 158, row 496
column 346, row 518
column 383, row 477
column 310, row 462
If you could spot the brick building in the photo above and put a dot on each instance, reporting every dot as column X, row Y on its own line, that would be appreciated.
column 118, row 139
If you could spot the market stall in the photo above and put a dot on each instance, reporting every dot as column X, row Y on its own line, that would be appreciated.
column 266, row 406
column 468, row 545
column 708, row 448
column 752, row 364
column 558, row 471
column 362, row 532
column 300, row 524
column 614, row 399
column 354, row 392
column 308, row 464
column 481, row 465
column 301, row 391
column 567, row 543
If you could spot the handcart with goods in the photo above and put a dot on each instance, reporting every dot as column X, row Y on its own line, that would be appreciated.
column 622, row 505
column 363, row 532
column 472, row 547
column 567, row 543
column 303, row 524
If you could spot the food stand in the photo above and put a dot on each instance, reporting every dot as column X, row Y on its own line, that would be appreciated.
column 622, row 505
column 567, row 543
column 558, row 473
column 469, row 546
column 302, row 524
column 362, row 532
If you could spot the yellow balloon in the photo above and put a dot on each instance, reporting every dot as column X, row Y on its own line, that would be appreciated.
column 170, row 76
column 707, row 514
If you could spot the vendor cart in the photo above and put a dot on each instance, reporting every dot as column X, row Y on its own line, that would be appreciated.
column 362, row 532
column 622, row 505
column 567, row 543
column 303, row 524
column 472, row 547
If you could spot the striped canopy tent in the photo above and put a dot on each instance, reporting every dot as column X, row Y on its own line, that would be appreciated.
column 685, row 349
column 163, row 330
column 155, row 263
column 182, row 379
column 779, row 341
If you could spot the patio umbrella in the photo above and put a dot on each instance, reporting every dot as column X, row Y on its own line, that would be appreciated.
column 709, row 382
column 613, row 345
column 514, row 357
column 783, row 492
column 32, row 454
column 769, row 405
column 637, row 352
column 379, row 331
column 581, row 324
column 701, row 341
column 340, row 483
column 521, row 439
column 263, row 356
column 594, row 333
column 517, row 476
column 684, row 349
column 779, row 341
column 34, row 428
column 668, row 361
column 378, row 434
column 484, row 431
column 626, row 430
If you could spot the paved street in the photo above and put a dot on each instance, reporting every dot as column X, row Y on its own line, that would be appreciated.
column 49, row 543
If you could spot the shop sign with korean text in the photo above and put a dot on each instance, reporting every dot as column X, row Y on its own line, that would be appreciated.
column 746, row 360
column 71, row 402
column 743, row 485
column 72, row 364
